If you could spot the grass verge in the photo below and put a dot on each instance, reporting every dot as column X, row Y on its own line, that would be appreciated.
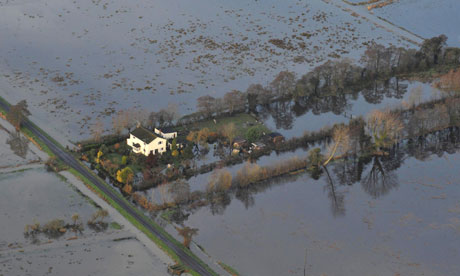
column 229, row 269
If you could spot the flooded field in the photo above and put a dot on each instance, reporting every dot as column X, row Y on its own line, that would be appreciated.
column 32, row 187
column 78, row 61
column 36, row 196
column 426, row 18
column 16, row 149
column 388, row 205
column 91, row 257
column 398, row 216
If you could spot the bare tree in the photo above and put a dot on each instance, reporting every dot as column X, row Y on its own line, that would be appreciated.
column 187, row 233
column 206, row 104
column 254, row 93
column 180, row 191
column 219, row 181
column 229, row 131
column 234, row 100
column 18, row 113
column 384, row 127
column 140, row 116
column 164, row 117
column 341, row 144
column 124, row 119
column 97, row 128
column 283, row 84
column 118, row 122
column 433, row 48
column 375, row 57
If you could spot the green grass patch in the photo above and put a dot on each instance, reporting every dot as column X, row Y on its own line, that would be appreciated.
column 228, row 268
column 242, row 121
column 166, row 214
column 115, row 158
column 115, row 225
column 38, row 141
column 135, row 167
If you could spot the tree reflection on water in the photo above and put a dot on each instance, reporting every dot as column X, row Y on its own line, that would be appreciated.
column 284, row 112
column 376, row 174
column 18, row 144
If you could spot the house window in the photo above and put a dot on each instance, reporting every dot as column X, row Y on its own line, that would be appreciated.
column 159, row 143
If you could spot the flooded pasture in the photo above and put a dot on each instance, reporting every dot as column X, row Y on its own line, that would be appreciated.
column 426, row 18
column 15, row 149
column 91, row 257
column 78, row 61
column 40, row 197
column 36, row 196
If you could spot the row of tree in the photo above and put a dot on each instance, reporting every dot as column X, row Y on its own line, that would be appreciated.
column 378, row 62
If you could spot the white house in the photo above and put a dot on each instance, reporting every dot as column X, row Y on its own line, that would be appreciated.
column 144, row 141
column 166, row 132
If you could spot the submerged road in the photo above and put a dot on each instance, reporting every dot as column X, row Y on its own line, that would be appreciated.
column 68, row 159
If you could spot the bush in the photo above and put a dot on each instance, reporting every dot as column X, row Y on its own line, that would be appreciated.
column 124, row 160
column 53, row 226
column 253, row 134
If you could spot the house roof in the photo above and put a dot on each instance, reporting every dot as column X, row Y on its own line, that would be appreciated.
column 166, row 129
column 258, row 144
column 144, row 134
column 275, row 134
column 239, row 140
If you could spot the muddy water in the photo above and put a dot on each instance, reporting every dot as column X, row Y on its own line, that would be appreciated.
column 403, row 219
column 75, row 61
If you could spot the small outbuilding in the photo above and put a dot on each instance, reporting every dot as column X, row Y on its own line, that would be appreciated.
column 166, row 132
column 275, row 137
column 257, row 146
column 239, row 143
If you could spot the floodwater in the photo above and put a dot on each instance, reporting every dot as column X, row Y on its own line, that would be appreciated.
column 14, row 147
column 425, row 17
column 75, row 61
column 92, row 257
column 398, row 215
column 293, row 118
column 36, row 195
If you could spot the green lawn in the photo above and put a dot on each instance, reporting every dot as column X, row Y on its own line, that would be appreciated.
column 242, row 122
column 115, row 158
